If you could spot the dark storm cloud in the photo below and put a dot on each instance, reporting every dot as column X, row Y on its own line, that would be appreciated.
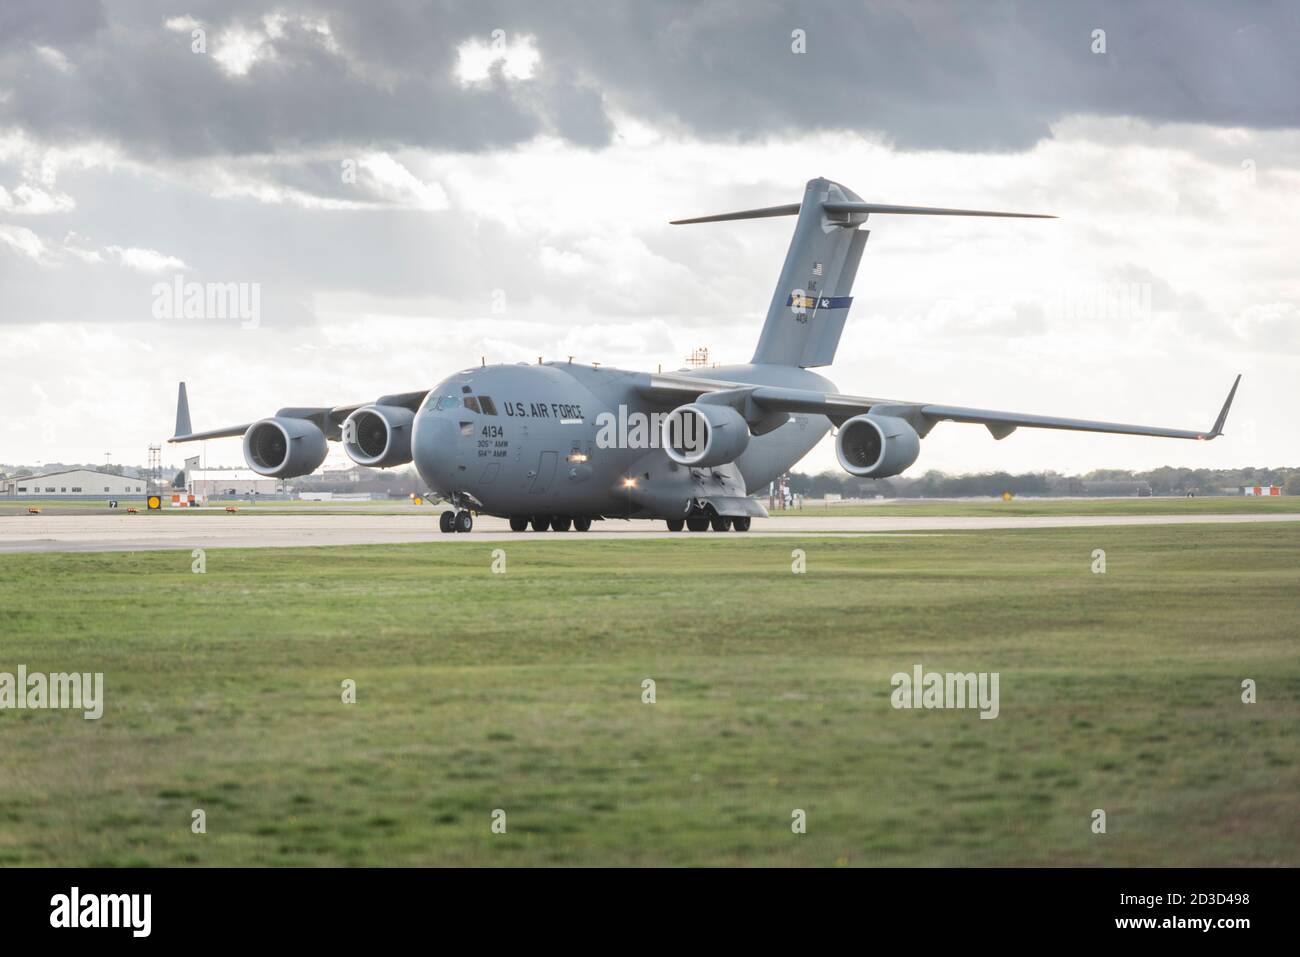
column 951, row 76
column 55, row 23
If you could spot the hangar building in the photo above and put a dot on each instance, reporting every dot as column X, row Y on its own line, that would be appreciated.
column 71, row 482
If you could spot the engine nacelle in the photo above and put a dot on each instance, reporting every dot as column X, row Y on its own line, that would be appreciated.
column 282, row 447
column 876, row 446
column 700, row 434
column 379, row 435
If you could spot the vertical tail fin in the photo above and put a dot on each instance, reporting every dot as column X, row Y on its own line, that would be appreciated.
column 813, row 295
column 812, row 298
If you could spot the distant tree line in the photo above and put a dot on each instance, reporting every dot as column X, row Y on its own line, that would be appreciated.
column 1108, row 482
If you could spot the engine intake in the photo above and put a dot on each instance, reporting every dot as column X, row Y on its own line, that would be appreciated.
column 379, row 435
column 876, row 446
column 700, row 434
column 282, row 447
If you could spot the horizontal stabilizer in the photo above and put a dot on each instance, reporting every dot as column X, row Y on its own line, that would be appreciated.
column 808, row 310
column 851, row 209
column 923, row 211
column 790, row 209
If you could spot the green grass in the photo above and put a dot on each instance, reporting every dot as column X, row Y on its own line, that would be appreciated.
column 17, row 505
column 522, row 691
column 912, row 508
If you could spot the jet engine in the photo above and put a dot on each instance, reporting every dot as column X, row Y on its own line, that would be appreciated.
column 283, row 447
column 700, row 434
column 379, row 435
column 876, row 446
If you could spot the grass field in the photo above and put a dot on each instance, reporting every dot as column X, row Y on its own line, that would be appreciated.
column 911, row 508
column 522, row 691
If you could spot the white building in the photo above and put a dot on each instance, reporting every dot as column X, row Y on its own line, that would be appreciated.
column 1261, row 490
column 86, row 482
column 210, row 483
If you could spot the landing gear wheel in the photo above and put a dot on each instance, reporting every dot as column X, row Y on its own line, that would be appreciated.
column 698, row 524
column 582, row 524
column 447, row 521
column 740, row 523
column 464, row 522
column 518, row 523
column 676, row 524
column 720, row 523
column 541, row 523
column 560, row 523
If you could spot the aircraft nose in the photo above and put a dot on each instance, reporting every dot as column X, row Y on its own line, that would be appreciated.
column 433, row 450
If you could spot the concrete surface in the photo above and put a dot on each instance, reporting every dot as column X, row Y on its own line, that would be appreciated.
column 94, row 533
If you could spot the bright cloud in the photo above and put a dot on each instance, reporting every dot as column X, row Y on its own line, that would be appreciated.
column 475, row 58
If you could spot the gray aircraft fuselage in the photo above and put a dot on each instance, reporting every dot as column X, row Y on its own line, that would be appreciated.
column 558, row 444
column 542, row 452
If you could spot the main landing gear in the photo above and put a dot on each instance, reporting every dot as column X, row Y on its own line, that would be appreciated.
column 702, row 523
column 450, row 521
column 554, row 523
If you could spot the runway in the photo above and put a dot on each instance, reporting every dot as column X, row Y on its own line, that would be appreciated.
column 145, row 532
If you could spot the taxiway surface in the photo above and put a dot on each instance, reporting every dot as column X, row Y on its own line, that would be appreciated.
column 146, row 532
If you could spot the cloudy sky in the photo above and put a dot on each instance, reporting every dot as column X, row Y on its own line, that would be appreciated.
column 411, row 186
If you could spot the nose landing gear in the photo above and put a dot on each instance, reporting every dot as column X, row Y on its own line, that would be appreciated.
column 450, row 521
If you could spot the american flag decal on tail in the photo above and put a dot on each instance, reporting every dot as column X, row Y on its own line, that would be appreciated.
column 819, row 302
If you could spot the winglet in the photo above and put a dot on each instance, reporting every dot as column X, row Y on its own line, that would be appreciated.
column 183, row 427
column 1223, row 413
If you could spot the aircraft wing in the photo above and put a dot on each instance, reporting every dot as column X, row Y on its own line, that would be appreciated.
column 757, row 402
column 328, row 418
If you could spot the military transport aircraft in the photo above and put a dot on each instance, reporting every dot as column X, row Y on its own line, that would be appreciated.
column 560, row 444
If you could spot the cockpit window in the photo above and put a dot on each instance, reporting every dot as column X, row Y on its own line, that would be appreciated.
column 448, row 402
column 489, row 407
column 471, row 403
